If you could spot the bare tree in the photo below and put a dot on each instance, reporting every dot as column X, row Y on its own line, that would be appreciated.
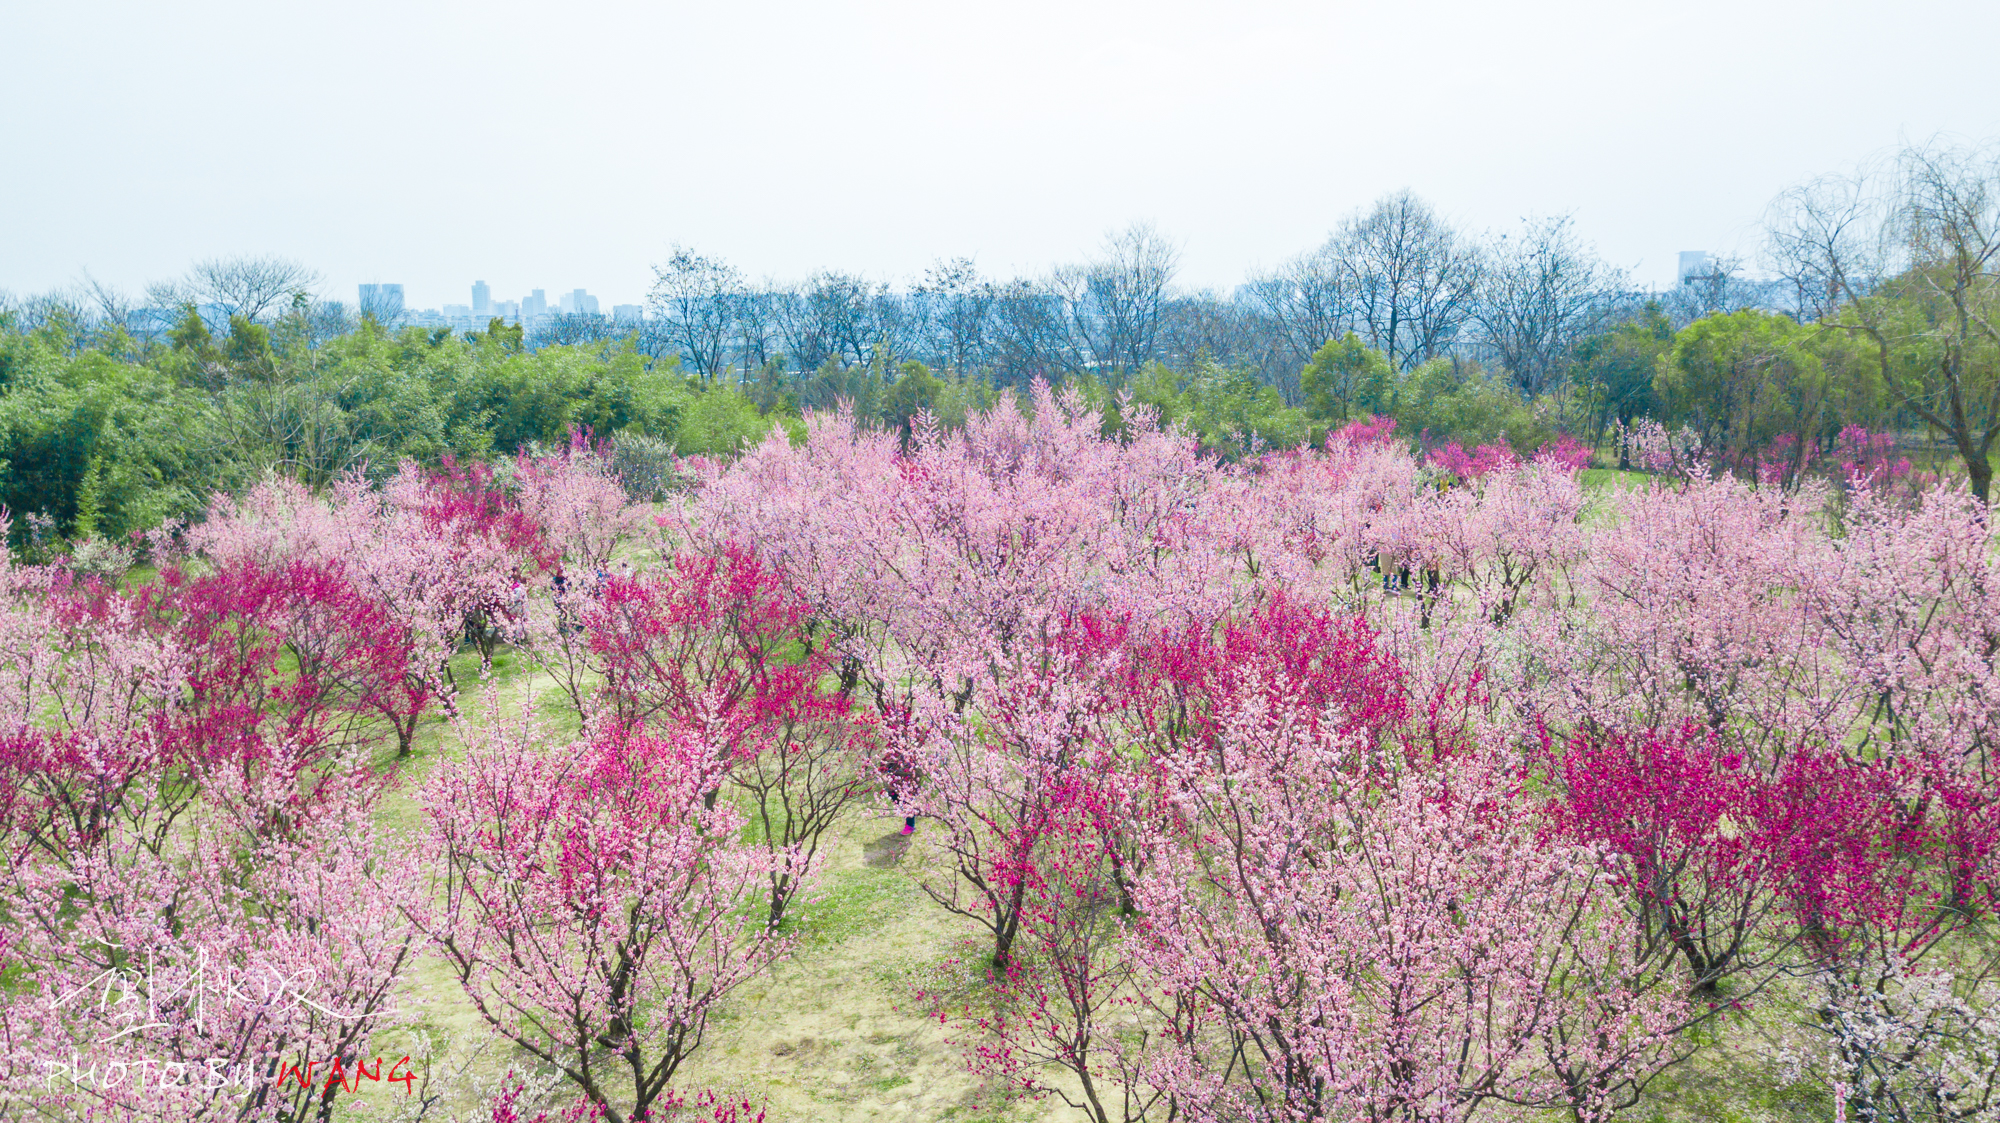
column 757, row 324
column 1309, row 299
column 568, row 329
column 111, row 305
column 958, row 306
column 1238, row 335
column 383, row 304
column 1031, row 337
column 1413, row 276
column 61, row 315
column 1114, row 302
column 895, row 328
column 1720, row 289
column 309, row 325
column 93, row 313
column 251, row 287
column 1542, row 292
column 696, row 300
column 831, row 317
column 1907, row 258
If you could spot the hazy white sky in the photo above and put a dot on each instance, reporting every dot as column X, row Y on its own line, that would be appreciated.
column 557, row 145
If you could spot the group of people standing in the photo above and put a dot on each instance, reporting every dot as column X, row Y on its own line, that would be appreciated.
column 1396, row 573
column 515, row 610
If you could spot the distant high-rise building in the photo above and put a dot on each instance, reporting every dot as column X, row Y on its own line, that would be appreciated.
column 384, row 302
column 627, row 315
column 579, row 302
column 482, row 298
column 1695, row 263
column 507, row 309
column 535, row 305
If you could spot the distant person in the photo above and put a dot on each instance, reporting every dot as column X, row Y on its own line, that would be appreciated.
column 900, row 776
column 517, row 597
column 565, row 612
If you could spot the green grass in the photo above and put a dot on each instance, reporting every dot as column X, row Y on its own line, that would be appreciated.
column 1611, row 479
column 850, row 903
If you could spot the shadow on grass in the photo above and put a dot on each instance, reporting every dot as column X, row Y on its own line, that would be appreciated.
column 886, row 851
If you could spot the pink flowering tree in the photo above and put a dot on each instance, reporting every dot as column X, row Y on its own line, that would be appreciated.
column 932, row 570
column 207, row 971
column 995, row 794
column 1235, row 923
column 716, row 647
column 589, row 900
column 198, row 903
column 584, row 518
column 577, row 506
column 1064, row 1016
column 1355, row 933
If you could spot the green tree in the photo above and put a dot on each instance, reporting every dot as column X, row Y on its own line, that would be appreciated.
column 1907, row 262
column 1447, row 399
column 719, row 421
column 89, row 505
column 248, row 349
column 195, row 358
column 105, row 446
column 1741, row 379
column 1618, row 365
column 916, row 390
column 1346, row 377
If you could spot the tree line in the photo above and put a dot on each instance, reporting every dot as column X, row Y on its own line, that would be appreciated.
column 118, row 412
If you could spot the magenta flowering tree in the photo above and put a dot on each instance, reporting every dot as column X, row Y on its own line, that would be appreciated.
column 1371, row 430
column 1065, row 1015
column 198, row 904
column 1869, row 459
column 711, row 643
column 1565, row 452
column 1483, row 461
column 299, row 646
column 717, row 648
column 436, row 552
column 590, row 901
column 1705, row 840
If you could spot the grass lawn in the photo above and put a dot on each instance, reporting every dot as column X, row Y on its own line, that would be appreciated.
column 834, row 1033
column 1611, row 479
